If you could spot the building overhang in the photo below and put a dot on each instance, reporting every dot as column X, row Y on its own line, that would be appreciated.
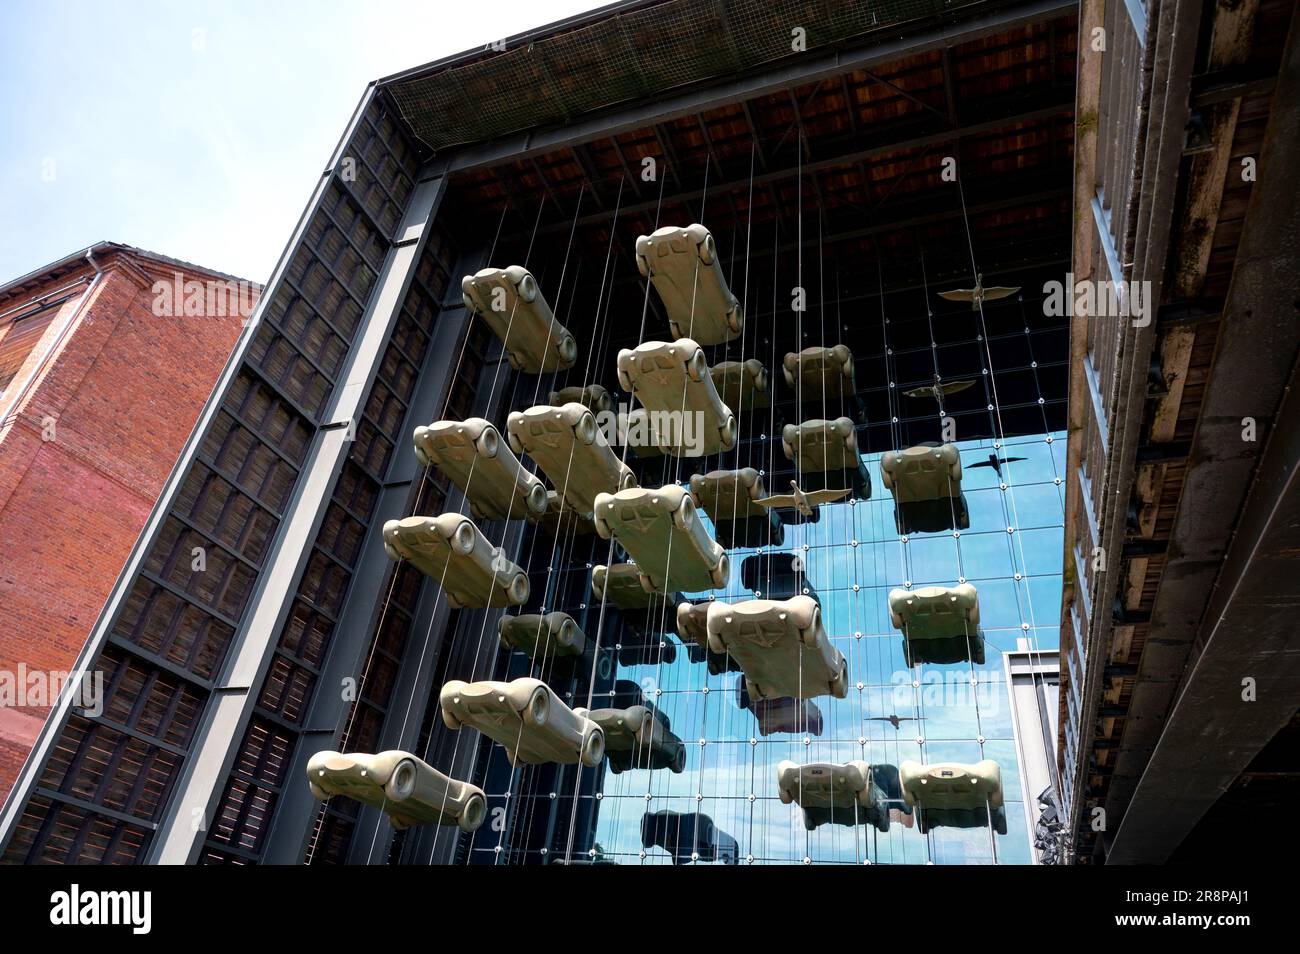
column 650, row 61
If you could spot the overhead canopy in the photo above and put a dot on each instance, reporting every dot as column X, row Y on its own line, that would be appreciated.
column 624, row 52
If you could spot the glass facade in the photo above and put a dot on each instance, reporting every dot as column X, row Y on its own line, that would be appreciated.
column 805, row 207
column 944, row 712
column 725, row 807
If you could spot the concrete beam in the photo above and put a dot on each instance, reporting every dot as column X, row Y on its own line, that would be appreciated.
column 1161, row 798
column 1217, row 726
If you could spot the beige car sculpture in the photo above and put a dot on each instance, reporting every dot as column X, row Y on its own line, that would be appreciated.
column 639, row 737
column 593, row 397
column 571, row 450
column 672, row 377
column 954, row 793
column 646, row 613
column 818, row 445
column 403, row 786
column 513, row 306
column 683, row 266
column 620, row 584
column 940, row 624
column 742, row 385
column 935, row 612
column 475, row 459
column 729, row 494
column 730, row 498
column 693, row 623
column 814, row 373
column 528, row 718
column 826, row 451
column 693, row 628
column 449, row 549
column 832, row 793
column 554, row 634
column 926, row 483
column 781, row 646
column 923, row 472
column 661, row 531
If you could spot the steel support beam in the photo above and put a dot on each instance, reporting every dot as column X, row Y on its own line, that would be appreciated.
column 808, row 68
column 435, row 844
column 916, row 136
column 291, row 829
column 199, row 789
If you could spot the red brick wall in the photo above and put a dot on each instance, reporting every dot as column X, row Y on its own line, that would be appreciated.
column 124, row 390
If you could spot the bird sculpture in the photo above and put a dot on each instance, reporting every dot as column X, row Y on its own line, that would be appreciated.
column 939, row 389
column 996, row 462
column 979, row 294
column 893, row 720
column 804, row 502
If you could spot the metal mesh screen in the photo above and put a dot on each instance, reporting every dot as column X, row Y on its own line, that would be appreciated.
column 638, row 53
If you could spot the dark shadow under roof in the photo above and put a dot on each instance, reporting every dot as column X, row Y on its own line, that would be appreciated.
column 630, row 51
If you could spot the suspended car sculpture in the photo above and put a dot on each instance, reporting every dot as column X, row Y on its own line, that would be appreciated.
column 527, row 717
column 742, row 385
column 407, row 789
column 926, row 483
column 940, row 624
column 682, row 265
column 781, row 646
column 955, row 795
column 730, row 498
column 639, row 737
column 593, row 397
column 571, row 450
column 819, row 373
column 661, row 530
column 825, row 455
column 692, row 627
column 645, row 613
column 538, row 636
column 831, row 793
column 672, row 378
column 509, row 300
column 474, row 458
column 453, row 552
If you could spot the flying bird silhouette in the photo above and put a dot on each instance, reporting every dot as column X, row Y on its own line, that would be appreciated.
column 996, row 462
column 979, row 294
column 805, row 503
column 891, row 719
column 938, row 390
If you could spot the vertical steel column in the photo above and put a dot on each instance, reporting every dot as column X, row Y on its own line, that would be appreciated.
column 181, row 829
column 291, row 829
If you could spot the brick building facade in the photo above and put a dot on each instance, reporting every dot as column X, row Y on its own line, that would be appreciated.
column 106, row 358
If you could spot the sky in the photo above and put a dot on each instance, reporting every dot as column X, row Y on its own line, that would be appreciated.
column 198, row 129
